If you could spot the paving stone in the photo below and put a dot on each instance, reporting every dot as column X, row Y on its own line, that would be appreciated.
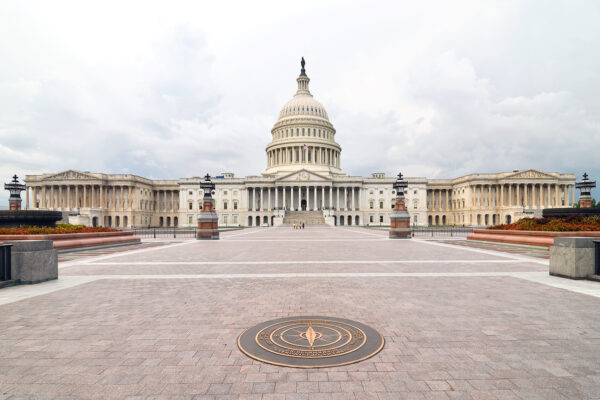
column 459, row 322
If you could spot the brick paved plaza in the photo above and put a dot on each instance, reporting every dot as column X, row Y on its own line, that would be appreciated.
column 161, row 322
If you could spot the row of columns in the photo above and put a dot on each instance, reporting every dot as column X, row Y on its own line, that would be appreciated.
column 298, row 154
column 113, row 197
column 504, row 195
column 290, row 197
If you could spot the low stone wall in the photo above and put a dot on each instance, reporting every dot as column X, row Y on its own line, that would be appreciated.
column 531, row 238
column 79, row 240
column 573, row 257
column 33, row 261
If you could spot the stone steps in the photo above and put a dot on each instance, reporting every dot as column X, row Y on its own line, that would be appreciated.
column 306, row 217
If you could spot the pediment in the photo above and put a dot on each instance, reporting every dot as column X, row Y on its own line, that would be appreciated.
column 70, row 174
column 303, row 176
column 530, row 174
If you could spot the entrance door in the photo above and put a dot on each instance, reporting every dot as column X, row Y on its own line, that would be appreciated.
column 303, row 205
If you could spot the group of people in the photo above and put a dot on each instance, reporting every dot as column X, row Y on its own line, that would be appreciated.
column 298, row 226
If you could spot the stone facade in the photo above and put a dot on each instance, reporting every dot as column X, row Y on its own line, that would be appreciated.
column 303, row 173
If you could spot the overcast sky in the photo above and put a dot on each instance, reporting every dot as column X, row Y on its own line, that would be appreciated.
column 170, row 90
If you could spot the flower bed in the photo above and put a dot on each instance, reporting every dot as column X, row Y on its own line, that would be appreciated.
column 567, row 224
column 59, row 229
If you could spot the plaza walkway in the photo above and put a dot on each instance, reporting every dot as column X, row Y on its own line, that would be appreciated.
column 161, row 321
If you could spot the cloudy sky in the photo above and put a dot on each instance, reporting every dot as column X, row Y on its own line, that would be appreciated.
column 176, row 89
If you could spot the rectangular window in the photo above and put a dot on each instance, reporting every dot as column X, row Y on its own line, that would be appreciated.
column 191, row 205
column 190, row 219
column 371, row 205
column 225, row 219
column 370, row 218
column 380, row 218
column 235, row 219
column 235, row 205
column 381, row 204
column 415, row 203
column 224, row 205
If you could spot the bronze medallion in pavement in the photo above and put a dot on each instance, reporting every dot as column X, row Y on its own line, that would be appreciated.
column 310, row 342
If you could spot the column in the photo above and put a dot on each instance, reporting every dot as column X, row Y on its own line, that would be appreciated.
column 541, row 196
column 84, row 196
column 299, row 198
column 114, row 197
column 130, row 199
column 315, row 207
column 572, row 194
column 447, row 200
column 253, row 208
column 509, row 202
column 330, row 197
column 526, row 195
column 43, row 201
column 556, row 195
column 27, row 197
column 502, row 195
column 276, row 197
column 51, row 196
column 322, row 197
column 352, row 194
column 345, row 203
column 489, row 196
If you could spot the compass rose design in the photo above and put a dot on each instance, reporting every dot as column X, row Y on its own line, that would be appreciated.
column 319, row 341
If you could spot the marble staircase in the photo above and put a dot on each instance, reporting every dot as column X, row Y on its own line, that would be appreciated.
column 306, row 217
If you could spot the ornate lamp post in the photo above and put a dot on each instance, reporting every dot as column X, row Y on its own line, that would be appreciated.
column 208, row 220
column 585, row 186
column 15, row 188
column 400, row 220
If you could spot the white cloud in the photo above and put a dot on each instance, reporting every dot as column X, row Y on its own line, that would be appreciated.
column 434, row 89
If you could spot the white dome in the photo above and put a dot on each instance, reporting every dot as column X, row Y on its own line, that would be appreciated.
column 303, row 138
column 303, row 105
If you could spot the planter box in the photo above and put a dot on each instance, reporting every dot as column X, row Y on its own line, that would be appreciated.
column 531, row 238
column 79, row 240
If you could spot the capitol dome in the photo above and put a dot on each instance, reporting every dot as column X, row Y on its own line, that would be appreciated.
column 303, row 137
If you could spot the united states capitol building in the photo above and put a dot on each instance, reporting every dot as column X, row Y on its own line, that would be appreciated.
column 303, row 182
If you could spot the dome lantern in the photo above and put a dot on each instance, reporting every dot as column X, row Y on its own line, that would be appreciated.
column 303, row 81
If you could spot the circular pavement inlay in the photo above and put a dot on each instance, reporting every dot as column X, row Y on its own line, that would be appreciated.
column 310, row 342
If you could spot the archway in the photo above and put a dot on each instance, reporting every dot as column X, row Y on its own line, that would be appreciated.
column 303, row 205
column 508, row 219
column 175, row 222
column 249, row 221
column 266, row 220
column 487, row 219
column 437, row 220
column 272, row 220
column 117, row 221
column 125, row 221
column 95, row 222
column 356, row 220
column 168, row 221
column 257, row 220
column 341, row 220
column 494, row 219
column 443, row 220
column 160, row 222
column 478, row 219
column 335, row 220
column 349, row 219
column 430, row 220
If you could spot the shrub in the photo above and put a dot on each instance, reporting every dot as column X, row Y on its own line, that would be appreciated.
column 568, row 224
column 59, row 229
